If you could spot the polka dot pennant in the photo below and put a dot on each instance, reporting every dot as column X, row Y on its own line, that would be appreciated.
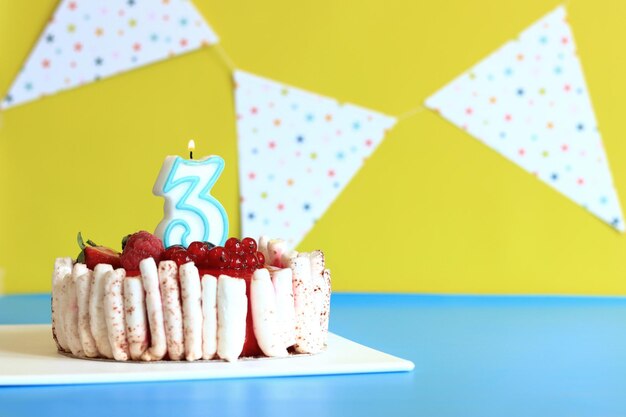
column 88, row 40
column 529, row 102
column 297, row 152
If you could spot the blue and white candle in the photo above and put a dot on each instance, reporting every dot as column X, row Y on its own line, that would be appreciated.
column 190, row 212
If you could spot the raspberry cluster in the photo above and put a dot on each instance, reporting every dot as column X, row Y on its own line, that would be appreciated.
column 139, row 246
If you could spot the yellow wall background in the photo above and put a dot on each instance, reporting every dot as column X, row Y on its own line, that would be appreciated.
column 454, row 216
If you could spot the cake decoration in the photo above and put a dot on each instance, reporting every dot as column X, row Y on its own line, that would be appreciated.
column 191, row 213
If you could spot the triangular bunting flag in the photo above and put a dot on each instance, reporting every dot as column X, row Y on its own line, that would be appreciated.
column 297, row 152
column 87, row 40
column 529, row 102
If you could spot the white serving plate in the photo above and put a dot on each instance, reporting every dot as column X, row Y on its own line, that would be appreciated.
column 28, row 356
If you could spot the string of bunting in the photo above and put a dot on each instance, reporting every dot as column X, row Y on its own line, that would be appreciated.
column 528, row 101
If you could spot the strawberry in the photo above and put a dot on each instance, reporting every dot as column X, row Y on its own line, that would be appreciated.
column 95, row 254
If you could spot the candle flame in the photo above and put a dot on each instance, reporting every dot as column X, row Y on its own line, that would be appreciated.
column 191, row 146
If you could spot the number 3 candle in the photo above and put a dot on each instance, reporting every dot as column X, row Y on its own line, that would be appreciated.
column 191, row 213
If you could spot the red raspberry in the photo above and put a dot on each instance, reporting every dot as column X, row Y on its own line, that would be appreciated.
column 139, row 246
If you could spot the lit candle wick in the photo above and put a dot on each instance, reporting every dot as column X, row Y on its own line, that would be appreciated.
column 191, row 146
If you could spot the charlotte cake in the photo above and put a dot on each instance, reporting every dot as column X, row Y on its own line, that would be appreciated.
column 198, row 303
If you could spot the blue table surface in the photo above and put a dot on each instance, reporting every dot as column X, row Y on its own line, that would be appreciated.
column 474, row 356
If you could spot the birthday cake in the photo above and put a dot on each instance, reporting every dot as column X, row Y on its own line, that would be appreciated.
column 202, row 302
column 163, row 298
